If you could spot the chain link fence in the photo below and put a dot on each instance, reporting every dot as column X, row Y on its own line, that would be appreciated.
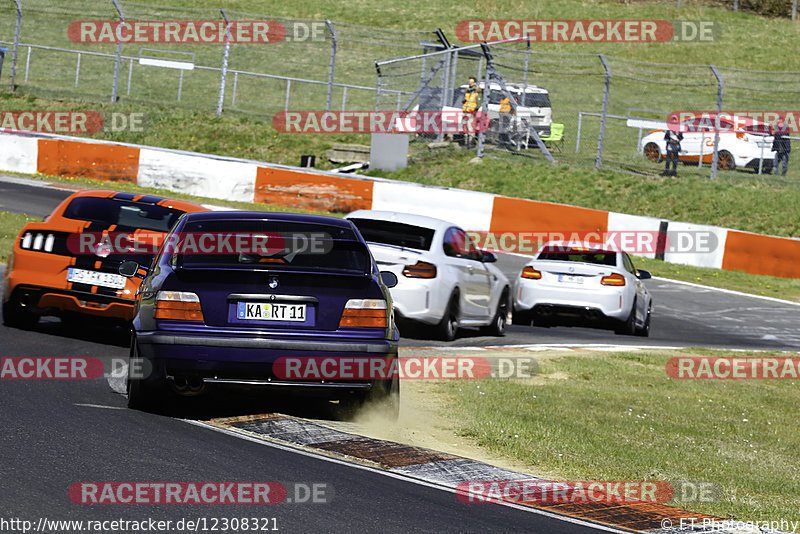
column 606, row 107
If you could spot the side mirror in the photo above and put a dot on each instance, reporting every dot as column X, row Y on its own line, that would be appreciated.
column 641, row 274
column 128, row 268
column 388, row 278
column 488, row 257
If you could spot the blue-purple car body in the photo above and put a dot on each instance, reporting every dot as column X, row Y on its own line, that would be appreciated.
column 198, row 322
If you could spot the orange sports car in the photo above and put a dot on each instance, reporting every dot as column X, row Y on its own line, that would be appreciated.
column 69, row 265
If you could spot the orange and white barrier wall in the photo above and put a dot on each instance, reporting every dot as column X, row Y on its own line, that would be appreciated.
column 251, row 181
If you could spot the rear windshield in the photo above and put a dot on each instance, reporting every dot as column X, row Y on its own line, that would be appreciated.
column 536, row 100
column 395, row 233
column 264, row 244
column 124, row 213
column 596, row 257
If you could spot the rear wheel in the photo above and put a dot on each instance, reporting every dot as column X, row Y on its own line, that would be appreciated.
column 652, row 152
column 627, row 327
column 725, row 161
column 448, row 327
column 15, row 315
column 645, row 330
column 498, row 326
column 141, row 396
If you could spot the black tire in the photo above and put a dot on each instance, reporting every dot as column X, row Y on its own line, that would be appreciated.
column 652, row 152
column 627, row 327
column 645, row 330
column 16, row 316
column 498, row 326
column 447, row 328
column 725, row 161
column 141, row 396
column 521, row 317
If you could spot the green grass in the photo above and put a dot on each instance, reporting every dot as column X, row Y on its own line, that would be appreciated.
column 617, row 416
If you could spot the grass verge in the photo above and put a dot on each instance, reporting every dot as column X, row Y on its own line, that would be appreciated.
column 618, row 416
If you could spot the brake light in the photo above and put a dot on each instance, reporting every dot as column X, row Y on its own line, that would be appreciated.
column 421, row 269
column 531, row 273
column 178, row 305
column 365, row 313
column 37, row 241
column 613, row 280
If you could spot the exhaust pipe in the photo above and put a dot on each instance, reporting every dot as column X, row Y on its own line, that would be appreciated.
column 187, row 386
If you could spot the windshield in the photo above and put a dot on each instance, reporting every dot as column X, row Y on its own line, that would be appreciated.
column 282, row 245
column 123, row 213
column 395, row 233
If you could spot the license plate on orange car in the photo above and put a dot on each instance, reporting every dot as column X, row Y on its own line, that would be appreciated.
column 270, row 311
column 95, row 278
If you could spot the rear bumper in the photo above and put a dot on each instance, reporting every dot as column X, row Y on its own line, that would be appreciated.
column 56, row 301
column 606, row 303
column 249, row 361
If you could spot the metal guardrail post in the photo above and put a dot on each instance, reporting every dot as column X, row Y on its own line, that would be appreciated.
column 16, row 45
column 378, row 87
column 601, row 136
column 720, row 88
column 332, row 66
column 115, row 84
column 485, row 100
column 578, row 136
column 794, row 9
column 225, row 55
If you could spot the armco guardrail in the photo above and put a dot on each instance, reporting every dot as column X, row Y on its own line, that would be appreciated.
column 227, row 178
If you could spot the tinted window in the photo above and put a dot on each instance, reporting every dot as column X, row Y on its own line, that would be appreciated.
column 281, row 245
column 595, row 257
column 128, row 214
column 456, row 243
column 395, row 233
column 537, row 100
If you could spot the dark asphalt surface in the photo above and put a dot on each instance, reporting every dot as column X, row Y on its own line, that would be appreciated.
column 56, row 433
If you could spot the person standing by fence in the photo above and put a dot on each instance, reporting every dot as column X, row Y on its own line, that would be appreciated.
column 781, row 145
column 469, row 106
column 673, row 140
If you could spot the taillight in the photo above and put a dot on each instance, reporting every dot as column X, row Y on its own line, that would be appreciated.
column 365, row 313
column 613, row 280
column 421, row 269
column 37, row 241
column 531, row 273
column 178, row 305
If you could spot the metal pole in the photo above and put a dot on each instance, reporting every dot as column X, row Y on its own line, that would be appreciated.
column 16, row 45
column 445, row 84
column 115, row 84
column 378, row 87
column 130, row 75
column 288, row 90
column 702, row 145
column 225, row 55
column 679, row 4
column 715, row 157
column 28, row 63
column 334, row 39
column 735, row 6
column 794, row 9
column 578, row 137
column 180, row 86
column 453, row 75
column 527, row 64
column 78, row 70
column 235, row 83
column 484, row 106
column 601, row 136
column 344, row 98
column 761, row 156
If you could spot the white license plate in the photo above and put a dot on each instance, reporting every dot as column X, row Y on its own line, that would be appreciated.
column 570, row 279
column 270, row 311
column 81, row 276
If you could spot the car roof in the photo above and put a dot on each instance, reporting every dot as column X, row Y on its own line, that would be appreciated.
column 590, row 246
column 267, row 215
column 407, row 218
column 182, row 205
